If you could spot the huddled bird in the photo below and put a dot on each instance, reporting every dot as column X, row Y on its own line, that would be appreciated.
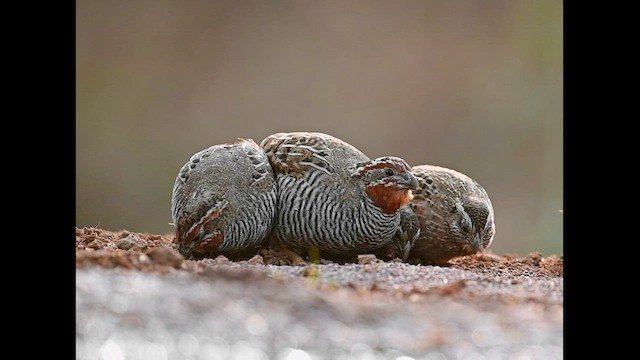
column 333, row 199
column 224, row 201
column 455, row 213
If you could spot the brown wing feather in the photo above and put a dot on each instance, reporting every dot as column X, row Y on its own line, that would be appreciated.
column 296, row 153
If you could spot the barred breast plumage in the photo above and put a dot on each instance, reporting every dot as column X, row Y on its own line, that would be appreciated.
column 332, row 198
column 456, row 215
column 224, row 201
column 405, row 237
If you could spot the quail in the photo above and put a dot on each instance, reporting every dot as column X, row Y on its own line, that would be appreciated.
column 223, row 201
column 333, row 200
column 455, row 213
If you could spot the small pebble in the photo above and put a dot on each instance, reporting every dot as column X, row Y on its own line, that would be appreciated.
column 367, row 259
column 256, row 260
column 165, row 256
column 221, row 259
column 131, row 242
column 95, row 244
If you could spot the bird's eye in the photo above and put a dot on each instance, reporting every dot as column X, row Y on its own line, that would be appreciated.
column 389, row 172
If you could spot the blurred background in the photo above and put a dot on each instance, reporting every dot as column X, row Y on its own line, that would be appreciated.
column 471, row 85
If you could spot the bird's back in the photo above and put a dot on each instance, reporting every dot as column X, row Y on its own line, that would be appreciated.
column 298, row 153
column 320, row 204
column 227, row 187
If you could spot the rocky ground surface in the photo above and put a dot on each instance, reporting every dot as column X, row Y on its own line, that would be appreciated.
column 138, row 298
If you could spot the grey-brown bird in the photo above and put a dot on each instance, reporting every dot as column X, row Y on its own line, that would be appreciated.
column 455, row 213
column 224, row 201
column 333, row 199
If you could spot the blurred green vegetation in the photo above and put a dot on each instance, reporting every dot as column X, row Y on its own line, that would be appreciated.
column 471, row 85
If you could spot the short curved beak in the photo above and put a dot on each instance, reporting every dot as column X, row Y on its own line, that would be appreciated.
column 409, row 181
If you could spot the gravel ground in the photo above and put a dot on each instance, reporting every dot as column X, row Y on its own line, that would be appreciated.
column 145, row 302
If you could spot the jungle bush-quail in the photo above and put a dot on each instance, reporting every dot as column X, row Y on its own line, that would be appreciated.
column 455, row 213
column 333, row 199
column 223, row 201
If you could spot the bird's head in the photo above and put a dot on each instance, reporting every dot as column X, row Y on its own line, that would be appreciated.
column 201, row 245
column 473, row 224
column 203, row 236
column 388, row 182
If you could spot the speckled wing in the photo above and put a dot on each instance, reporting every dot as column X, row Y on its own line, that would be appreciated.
column 408, row 230
column 296, row 153
column 262, row 175
column 179, row 202
column 440, row 188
